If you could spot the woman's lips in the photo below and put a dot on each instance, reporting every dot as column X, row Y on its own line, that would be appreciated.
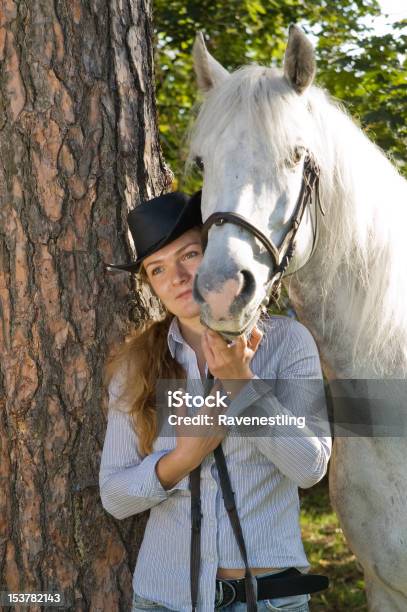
column 185, row 294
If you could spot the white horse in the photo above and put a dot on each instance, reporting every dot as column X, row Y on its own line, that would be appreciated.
column 252, row 132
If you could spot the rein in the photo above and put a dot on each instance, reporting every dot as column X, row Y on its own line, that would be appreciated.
column 280, row 256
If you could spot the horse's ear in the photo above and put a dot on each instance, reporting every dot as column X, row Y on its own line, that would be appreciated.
column 208, row 71
column 299, row 60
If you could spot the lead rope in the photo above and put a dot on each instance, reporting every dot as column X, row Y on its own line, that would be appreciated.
column 196, row 521
column 250, row 583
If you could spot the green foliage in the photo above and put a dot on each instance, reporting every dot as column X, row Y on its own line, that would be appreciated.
column 365, row 71
column 329, row 554
column 371, row 78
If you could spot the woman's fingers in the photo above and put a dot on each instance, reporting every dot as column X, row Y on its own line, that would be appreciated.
column 241, row 342
column 215, row 343
column 255, row 338
column 207, row 348
column 220, row 346
column 215, row 340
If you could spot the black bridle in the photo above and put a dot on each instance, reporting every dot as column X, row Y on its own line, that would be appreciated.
column 281, row 256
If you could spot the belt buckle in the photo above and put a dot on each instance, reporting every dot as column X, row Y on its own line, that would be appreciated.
column 222, row 603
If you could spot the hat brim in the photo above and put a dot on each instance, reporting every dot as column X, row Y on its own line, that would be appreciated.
column 189, row 217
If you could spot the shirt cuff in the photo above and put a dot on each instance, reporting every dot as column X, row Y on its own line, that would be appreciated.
column 152, row 486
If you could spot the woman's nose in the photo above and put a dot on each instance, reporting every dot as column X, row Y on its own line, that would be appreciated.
column 181, row 275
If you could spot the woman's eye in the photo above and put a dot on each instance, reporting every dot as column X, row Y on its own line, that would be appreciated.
column 191, row 253
column 156, row 270
column 199, row 162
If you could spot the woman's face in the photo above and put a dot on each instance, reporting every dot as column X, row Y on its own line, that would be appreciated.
column 171, row 271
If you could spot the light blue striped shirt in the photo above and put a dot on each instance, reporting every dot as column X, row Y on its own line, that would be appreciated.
column 265, row 473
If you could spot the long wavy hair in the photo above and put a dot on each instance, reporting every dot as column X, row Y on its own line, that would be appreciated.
column 136, row 365
column 132, row 371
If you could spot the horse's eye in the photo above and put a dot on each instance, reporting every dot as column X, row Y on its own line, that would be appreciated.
column 199, row 163
column 295, row 157
column 297, row 154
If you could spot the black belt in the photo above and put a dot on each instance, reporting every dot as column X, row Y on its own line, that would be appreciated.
column 281, row 584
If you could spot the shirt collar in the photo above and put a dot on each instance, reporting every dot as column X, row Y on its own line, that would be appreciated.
column 174, row 335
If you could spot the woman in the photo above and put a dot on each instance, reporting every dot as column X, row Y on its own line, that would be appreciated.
column 141, row 470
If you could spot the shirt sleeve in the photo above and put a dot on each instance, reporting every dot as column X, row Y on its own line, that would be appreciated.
column 128, row 483
column 297, row 391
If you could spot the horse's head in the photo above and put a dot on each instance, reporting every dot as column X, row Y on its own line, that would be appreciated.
column 252, row 134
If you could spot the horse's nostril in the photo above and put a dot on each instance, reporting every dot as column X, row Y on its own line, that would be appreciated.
column 196, row 293
column 249, row 286
column 223, row 295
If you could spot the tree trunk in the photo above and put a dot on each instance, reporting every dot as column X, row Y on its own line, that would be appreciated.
column 78, row 149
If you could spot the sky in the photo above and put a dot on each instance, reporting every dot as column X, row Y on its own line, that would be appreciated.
column 396, row 10
column 392, row 10
column 394, row 6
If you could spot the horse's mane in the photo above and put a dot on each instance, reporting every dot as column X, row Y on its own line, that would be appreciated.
column 364, row 236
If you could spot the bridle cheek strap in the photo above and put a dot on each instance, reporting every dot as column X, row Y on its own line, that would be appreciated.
column 280, row 256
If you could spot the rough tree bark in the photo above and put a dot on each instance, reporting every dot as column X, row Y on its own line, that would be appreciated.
column 78, row 148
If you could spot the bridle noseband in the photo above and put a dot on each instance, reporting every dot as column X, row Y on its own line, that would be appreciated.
column 281, row 256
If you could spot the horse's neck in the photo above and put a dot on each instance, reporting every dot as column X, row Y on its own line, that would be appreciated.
column 376, row 203
column 329, row 323
column 334, row 316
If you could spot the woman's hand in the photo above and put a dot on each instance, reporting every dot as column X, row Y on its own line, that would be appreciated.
column 231, row 366
column 195, row 442
column 230, row 363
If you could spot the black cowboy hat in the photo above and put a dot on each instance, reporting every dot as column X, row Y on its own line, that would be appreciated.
column 157, row 222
